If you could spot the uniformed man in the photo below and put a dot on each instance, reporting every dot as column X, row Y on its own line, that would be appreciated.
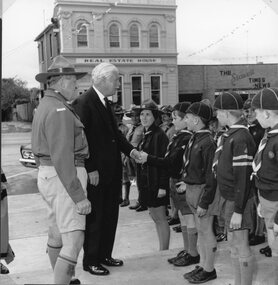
column 60, row 148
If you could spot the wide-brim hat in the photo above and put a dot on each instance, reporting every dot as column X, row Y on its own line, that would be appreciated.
column 60, row 66
column 166, row 109
column 148, row 104
column 133, row 110
column 118, row 110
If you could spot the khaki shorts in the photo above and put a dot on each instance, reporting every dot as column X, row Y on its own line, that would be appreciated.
column 193, row 197
column 268, row 211
column 61, row 210
column 227, row 208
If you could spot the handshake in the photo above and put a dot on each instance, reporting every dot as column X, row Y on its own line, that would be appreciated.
column 139, row 156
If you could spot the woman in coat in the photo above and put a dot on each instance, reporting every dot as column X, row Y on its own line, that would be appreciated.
column 152, row 181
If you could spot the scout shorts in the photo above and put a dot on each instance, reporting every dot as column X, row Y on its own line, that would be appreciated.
column 268, row 211
column 227, row 208
column 61, row 210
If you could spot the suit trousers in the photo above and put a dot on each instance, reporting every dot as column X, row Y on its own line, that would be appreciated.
column 101, row 223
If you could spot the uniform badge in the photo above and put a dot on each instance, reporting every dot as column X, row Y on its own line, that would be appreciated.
column 271, row 154
column 61, row 109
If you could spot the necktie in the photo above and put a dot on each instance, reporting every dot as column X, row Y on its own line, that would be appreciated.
column 257, row 162
column 106, row 102
column 220, row 143
column 144, row 139
column 187, row 153
column 130, row 133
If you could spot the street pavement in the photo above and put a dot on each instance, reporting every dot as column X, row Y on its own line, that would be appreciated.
column 136, row 243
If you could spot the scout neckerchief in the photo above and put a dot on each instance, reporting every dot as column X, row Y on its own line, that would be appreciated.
column 186, row 155
column 174, row 137
column 146, row 134
column 257, row 162
column 220, row 143
column 130, row 133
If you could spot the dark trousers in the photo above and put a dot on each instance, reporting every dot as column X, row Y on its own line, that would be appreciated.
column 101, row 223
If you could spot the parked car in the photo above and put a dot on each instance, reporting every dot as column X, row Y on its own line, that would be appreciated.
column 27, row 157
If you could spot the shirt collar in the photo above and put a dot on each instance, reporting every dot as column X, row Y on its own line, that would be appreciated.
column 100, row 95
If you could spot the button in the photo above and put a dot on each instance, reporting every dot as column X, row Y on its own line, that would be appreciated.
column 113, row 140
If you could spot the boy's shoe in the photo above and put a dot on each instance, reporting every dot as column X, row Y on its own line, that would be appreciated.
column 75, row 281
column 190, row 274
column 177, row 229
column 220, row 237
column 266, row 251
column 3, row 269
column 180, row 254
column 125, row 203
column 173, row 221
column 255, row 240
column 202, row 277
column 187, row 260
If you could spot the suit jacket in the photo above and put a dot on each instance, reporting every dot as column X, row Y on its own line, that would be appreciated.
column 105, row 141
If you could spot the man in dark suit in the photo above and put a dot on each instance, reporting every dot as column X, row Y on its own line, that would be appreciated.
column 104, row 168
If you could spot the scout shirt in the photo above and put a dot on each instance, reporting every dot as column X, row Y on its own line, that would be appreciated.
column 199, row 165
column 266, row 179
column 174, row 153
column 58, row 139
column 235, row 165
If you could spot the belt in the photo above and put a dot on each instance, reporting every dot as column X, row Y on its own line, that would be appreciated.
column 78, row 163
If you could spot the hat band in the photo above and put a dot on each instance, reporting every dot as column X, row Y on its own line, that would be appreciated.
column 62, row 70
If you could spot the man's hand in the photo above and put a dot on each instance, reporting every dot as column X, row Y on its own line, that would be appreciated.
column 144, row 157
column 275, row 230
column 201, row 212
column 83, row 207
column 135, row 154
column 259, row 210
column 161, row 193
column 94, row 177
column 181, row 187
column 236, row 221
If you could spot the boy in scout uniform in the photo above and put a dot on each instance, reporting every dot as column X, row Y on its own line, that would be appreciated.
column 265, row 166
column 233, row 166
column 60, row 148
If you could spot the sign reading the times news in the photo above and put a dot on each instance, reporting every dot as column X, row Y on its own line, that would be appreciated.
column 119, row 60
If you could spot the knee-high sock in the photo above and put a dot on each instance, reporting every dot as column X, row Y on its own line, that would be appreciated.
column 53, row 253
column 192, row 241
column 202, row 250
column 64, row 269
column 275, row 266
column 184, row 237
column 236, row 267
column 210, row 248
column 246, row 269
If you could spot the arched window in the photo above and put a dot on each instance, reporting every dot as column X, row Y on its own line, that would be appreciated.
column 134, row 35
column 82, row 35
column 114, row 35
column 153, row 36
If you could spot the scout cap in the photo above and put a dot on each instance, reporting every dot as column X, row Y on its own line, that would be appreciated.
column 228, row 101
column 266, row 99
column 59, row 66
column 201, row 110
column 182, row 107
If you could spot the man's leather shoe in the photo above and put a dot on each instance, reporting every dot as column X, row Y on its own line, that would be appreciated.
column 125, row 203
column 141, row 209
column 96, row 269
column 112, row 262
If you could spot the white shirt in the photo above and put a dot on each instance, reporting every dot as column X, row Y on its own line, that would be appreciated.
column 101, row 97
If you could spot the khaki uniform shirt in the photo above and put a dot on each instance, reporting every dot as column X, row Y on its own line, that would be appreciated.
column 58, row 139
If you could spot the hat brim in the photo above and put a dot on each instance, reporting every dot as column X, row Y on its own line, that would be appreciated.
column 44, row 76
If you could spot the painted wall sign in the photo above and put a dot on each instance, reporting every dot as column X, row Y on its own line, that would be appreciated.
column 237, row 77
column 119, row 60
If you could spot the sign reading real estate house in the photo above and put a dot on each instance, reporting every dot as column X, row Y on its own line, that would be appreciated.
column 119, row 60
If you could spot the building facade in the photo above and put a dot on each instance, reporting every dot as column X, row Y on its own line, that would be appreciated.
column 197, row 82
column 138, row 36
